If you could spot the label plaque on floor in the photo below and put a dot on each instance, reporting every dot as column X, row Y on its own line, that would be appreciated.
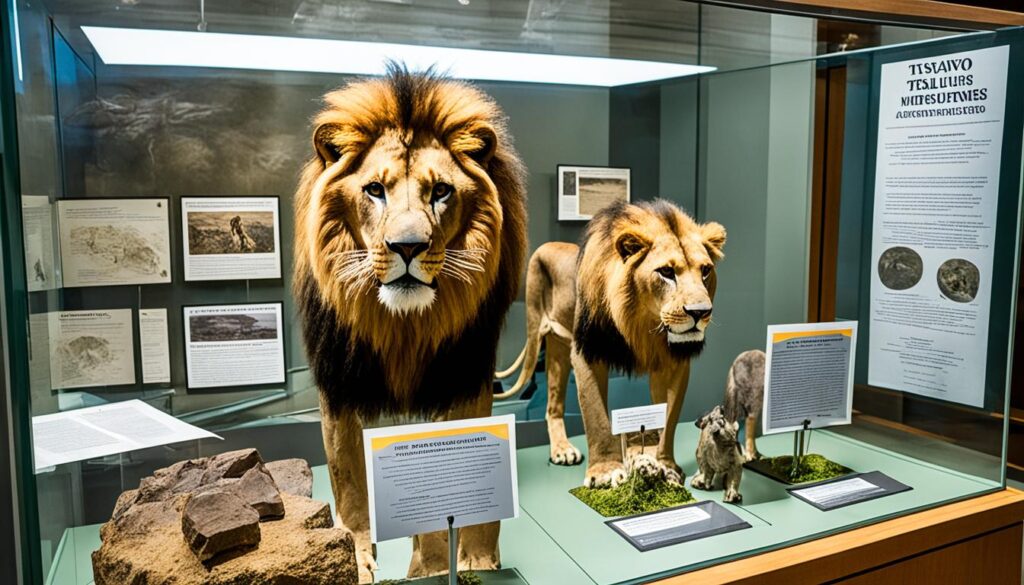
column 849, row 489
column 674, row 525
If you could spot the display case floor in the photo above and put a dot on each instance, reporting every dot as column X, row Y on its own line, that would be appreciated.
column 558, row 539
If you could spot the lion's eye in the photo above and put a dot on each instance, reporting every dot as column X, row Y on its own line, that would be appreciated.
column 705, row 271
column 667, row 271
column 440, row 192
column 374, row 189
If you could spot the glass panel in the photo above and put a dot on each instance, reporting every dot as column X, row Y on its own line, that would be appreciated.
column 736, row 146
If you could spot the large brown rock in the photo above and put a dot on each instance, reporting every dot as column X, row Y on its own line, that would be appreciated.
column 292, row 476
column 216, row 522
column 289, row 553
column 231, row 464
column 257, row 489
column 144, row 542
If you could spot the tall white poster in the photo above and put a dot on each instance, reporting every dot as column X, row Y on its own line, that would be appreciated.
column 940, row 129
column 234, row 345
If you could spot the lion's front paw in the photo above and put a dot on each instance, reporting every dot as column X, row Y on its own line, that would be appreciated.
column 671, row 471
column 564, row 453
column 749, row 456
column 367, row 565
column 732, row 497
column 605, row 474
column 479, row 562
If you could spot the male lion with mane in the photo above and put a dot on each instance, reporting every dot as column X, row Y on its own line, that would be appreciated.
column 638, row 298
column 410, row 236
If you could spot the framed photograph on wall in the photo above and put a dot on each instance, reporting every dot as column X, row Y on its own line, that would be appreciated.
column 105, row 242
column 234, row 345
column 231, row 238
column 583, row 191
column 91, row 348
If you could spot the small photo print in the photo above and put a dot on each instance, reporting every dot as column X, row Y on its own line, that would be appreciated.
column 569, row 183
column 230, row 232
column 596, row 193
column 233, row 327
column 584, row 191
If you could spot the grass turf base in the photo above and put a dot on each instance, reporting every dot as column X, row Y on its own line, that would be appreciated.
column 637, row 495
column 813, row 467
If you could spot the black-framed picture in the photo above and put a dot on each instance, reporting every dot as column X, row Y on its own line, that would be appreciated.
column 231, row 238
column 585, row 190
column 234, row 345
column 108, row 242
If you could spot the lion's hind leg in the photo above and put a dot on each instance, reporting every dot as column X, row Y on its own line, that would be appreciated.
column 562, row 451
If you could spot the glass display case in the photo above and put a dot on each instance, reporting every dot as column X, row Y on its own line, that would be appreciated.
column 766, row 123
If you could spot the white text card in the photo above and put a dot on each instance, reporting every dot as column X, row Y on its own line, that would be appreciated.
column 419, row 475
column 808, row 375
column 629, row 420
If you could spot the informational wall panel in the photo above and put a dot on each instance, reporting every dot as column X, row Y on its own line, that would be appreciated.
column 940, row 132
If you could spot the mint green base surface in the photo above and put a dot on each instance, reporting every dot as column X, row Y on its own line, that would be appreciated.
column 558, row 539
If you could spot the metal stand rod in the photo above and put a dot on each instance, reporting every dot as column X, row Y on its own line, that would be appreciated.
column 453, row 552
column 798, row 449
column 642, row 439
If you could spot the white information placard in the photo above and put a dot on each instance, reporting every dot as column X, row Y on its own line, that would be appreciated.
column 629, row 420
column 583, row 191
column 38, row 223
column 154, row 347
column 940, row 132
column 107, row 242
column 231, row 238
column 234, row 345
column 91, row 348
column 418, row 475
column 99, row 431
column 808, row 375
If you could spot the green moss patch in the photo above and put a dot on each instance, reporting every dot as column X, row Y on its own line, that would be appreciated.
column 637, row 495
column 813, row 467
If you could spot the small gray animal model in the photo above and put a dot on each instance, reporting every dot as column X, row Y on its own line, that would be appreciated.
column 718, row 455
column 744, row 394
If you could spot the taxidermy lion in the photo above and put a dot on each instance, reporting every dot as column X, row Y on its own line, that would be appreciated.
column 641, row 304
column 410, row 236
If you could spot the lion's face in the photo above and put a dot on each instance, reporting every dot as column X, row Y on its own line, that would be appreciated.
column 670, row 266
column 412, row 203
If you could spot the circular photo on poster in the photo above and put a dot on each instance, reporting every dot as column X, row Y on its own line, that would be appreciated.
column 900, row 268
column 959, row 279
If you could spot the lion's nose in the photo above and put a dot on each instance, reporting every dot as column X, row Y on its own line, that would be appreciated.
column 408, row 250
column 698, row 312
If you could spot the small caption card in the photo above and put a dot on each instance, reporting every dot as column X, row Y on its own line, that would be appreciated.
column 629, row 420
column 674, row 525
column 847, row 490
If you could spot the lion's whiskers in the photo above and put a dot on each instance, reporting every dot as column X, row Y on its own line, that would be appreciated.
column 354, row 268
column 460, row 263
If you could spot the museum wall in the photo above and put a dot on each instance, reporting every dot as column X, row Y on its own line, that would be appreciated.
column 248, row 134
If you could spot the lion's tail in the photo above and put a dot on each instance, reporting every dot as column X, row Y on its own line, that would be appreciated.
column 513, row 368
column 537, row 326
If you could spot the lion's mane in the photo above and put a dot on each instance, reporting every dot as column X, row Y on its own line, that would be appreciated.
column 607, row 327
column 362, row 356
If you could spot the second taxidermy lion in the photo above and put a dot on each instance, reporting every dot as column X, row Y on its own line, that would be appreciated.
column 410, row 235
column 637, row 297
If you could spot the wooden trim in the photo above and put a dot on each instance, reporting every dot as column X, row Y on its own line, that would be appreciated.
column 918, row 12
column 870, row 547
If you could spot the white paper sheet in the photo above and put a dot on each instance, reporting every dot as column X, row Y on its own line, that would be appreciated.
column 231, row 238
column 234, row 345
column 154, row 347
column 99, row 431
column 91, row 348
column 38, row 223
column 107, row 242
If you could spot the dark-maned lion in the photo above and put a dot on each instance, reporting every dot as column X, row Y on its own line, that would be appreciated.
column 637, row 297
column 410, row 237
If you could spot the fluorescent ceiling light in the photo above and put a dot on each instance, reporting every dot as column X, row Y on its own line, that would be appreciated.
column 124, row 46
